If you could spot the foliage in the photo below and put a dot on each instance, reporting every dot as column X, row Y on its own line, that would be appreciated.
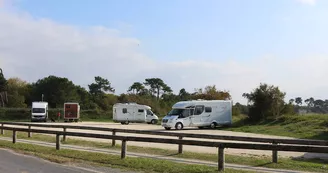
column 157, row 86
column 18, row 91
column 136, row 87
column 101, row 86
column 56, row 91
column 211, row 93
column 265, row 101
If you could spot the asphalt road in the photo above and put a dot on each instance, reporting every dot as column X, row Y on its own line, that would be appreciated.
column 11, row 162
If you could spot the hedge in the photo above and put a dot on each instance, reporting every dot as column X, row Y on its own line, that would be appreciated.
column 25, row 114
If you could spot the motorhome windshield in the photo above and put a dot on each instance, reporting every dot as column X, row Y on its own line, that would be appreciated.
column 176, row 112
column 38, row 110
column 149, row 112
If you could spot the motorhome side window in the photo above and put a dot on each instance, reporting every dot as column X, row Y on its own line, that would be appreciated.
column 140, row 110
column 208, row 109
column 199, row 110
column 124, row 110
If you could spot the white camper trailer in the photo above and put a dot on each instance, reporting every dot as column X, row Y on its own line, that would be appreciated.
column 199, row 113
column 132, row 112
column 39, row 111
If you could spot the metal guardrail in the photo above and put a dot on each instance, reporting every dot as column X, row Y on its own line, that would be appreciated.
column 220, row 145
column 273, row 141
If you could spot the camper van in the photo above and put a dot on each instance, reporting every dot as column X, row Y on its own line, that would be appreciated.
column 133, row 112
column 198, row 113
column 71, row 112
column 39, row 111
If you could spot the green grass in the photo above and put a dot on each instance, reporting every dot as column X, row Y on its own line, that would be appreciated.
column 136, row 164
column 283, row 163
column 297, row 126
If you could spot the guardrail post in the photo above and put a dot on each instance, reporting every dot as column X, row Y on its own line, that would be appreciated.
column 274, row 153
column 113, row 140
column 29, row 133
column 221, row 159
column 123, row 151
column 64, row 136
column 14, row 136
column 180, row 145
column 57, row 141
column 2, row 131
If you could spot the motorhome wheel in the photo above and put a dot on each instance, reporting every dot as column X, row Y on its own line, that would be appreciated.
column 153, row 122
column 178, row 126
column 213, row 125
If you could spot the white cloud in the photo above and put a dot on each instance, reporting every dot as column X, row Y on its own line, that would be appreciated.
column 33, row 48
column 308, row 2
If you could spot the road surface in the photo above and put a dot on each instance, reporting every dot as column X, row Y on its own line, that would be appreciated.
column 140, row 126
column 11, row 162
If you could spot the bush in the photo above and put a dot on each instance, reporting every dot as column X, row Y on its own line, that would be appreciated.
column 13, row 114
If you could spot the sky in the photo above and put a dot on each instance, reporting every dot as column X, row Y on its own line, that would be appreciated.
column 235, row 44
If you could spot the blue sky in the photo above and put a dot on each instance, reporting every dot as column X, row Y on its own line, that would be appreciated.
column 233, row 44
column 216, row 29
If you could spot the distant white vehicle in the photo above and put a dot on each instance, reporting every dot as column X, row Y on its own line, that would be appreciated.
column 199, row 113
column 39, row 111
column 133, row 112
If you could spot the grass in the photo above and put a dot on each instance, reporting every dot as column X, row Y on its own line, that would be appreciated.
column 284, row 163
column 297, row 126
column 136, row 164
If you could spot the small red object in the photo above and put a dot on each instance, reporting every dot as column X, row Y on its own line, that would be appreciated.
column 58, row 114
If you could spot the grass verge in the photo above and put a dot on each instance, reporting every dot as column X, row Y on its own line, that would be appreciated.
column 136, row 164
column 297, row 126
column 284, row 163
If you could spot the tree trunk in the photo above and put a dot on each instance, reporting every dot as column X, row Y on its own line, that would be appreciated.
column 2, row 101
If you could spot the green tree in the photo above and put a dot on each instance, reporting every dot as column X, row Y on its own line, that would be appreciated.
column 211, row 93
column 298, row 101
column 183, row 94
column 86, row 99
column 56, row 91
column 291, row 101
column 310, row 102
column 136, row 88
column 101, row 86
column 156, row 86
column 3, row 90
column 17, row 92
column 265, row 101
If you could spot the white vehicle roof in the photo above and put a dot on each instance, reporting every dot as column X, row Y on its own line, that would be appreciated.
column 71, row 103
column 131, row 104
column 184, row 104
column 39, row 104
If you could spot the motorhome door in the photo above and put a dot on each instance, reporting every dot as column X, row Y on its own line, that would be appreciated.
column 207, row 116
column 140, row 115
column 196, row 119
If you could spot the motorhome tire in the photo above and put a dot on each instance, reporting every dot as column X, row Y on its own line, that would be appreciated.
column 153, row 122
column 178, row 126
column 213, row 125
column 167, row 128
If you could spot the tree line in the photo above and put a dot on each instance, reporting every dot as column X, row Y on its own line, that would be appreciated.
column 265, row 101
column 99, row 95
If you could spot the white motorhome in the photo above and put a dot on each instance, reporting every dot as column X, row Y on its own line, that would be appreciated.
column 39, row 111
column 199, row 113
column 133, row 112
